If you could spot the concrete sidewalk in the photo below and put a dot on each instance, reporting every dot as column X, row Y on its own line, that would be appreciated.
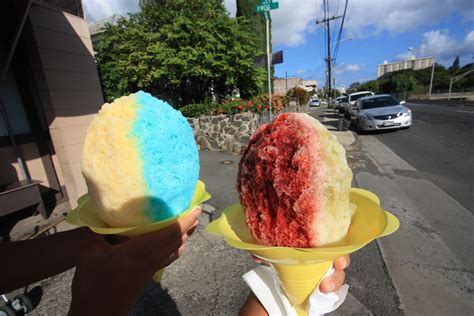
column 330, row 119
column 430, row 259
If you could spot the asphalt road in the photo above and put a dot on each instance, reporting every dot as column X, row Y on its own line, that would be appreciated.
column 440, row 144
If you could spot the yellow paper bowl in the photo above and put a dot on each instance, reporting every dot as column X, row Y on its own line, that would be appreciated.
column 85, row 215
column 299, row 270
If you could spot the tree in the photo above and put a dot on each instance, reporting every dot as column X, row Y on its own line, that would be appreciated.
column 300, row 93
column 179, row 50
column 246, row 8
column 456, row 64
column 371, row 85
column 353, row 87
column 256, row 21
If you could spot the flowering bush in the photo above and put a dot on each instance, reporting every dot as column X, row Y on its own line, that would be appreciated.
column 199, row 109
column 258, row 104
column 262, row 103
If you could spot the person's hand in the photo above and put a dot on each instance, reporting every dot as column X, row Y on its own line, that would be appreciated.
column 111, row 277
column 336, row 280
column 254, row 307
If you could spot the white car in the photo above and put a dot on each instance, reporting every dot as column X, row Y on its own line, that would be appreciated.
column 351, row 100
column 314, row 102
column 380, row 112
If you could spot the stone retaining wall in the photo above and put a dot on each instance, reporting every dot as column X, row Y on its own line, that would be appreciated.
column 229, row 133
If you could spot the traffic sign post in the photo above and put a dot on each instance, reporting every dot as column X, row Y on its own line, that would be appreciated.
column 265, row 6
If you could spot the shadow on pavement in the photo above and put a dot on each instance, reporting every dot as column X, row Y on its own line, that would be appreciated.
column 155, row 300
column 8, row 222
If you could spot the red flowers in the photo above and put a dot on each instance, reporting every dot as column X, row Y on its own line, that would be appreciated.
column 259, row 106
column 240, row 107
column 249, row 104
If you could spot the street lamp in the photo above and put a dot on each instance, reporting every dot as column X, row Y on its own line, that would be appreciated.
column 432, row 68
column 338, row 42
column 343, row 40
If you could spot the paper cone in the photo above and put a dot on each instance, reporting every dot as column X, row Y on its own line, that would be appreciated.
column 85, row 214
column 299, row 270
column 299, row 281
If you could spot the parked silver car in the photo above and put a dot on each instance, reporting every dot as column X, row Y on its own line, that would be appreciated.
column 381, row 112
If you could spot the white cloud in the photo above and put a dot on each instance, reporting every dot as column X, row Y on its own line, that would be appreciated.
column 231, row 6
column 369, row 17
column 295, row 19
column 98, row 9
column 291, row 21
column 342, row 68
column 445, row 47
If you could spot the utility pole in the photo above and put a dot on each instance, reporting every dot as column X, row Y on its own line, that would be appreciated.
column 286, row 83
column 269, row 61
column 265, row 6
column 328, row 59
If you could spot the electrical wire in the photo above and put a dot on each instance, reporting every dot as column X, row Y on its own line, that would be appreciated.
column 336, row 50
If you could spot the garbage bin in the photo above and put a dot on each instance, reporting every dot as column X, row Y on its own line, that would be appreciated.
column 343, row 124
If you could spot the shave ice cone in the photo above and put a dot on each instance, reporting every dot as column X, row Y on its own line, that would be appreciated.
column 85, row 214
column 298, row 281
column 299, row 270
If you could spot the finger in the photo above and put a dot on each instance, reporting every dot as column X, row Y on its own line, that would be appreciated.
column 172, row 232
column 192, row 229
column 115, row 239
column 184, row 223
column 173, row 257
column 157, row 252
column 333, row 282
column 258, row 260
column 342, row 263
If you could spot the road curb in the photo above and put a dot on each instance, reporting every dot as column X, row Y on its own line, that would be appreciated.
column 345, row 138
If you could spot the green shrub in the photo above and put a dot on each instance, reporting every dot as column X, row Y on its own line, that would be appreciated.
column 199, row 109
column 231, row 107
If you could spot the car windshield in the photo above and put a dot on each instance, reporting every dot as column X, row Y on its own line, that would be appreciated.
column 344, row 99
column 358, row 96
column 379, row 102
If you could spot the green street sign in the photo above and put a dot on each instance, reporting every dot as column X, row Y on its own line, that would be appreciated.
column 266, row 6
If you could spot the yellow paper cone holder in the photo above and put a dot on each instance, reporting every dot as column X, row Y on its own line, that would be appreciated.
column 299, row 270
column 85, row 214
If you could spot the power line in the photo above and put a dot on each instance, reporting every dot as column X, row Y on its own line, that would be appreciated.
column 327, row 20
column 336, row 50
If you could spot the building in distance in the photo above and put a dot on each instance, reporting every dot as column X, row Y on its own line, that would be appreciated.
column 412, row 63
column 283, row 85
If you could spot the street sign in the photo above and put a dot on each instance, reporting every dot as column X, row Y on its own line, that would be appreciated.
column 266, row 6
column 277, row 57
column 261, row 61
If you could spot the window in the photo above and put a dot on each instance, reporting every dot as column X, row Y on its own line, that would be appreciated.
column 379, row 102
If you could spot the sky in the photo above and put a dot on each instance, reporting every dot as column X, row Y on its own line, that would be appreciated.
column 373, row 31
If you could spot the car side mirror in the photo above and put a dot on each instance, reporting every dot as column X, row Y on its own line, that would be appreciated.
column 403, row 102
